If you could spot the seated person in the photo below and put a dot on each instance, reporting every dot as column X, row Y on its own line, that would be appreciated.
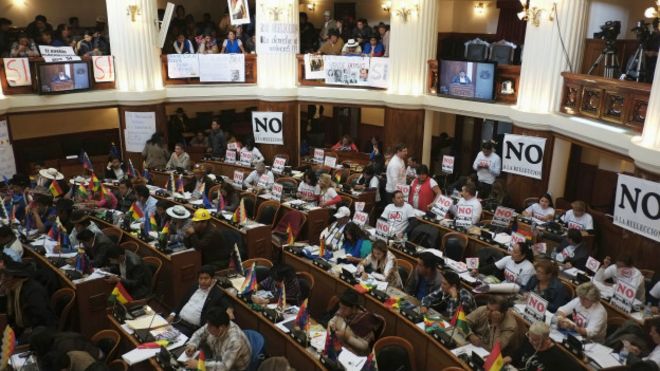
column 11, row 245
column 179, row 223
column 334, row 234
column 199, row 140
column 205, row 237
column 493, row 322
column 469, row 198
column 253, row 150
column 96, row 247
column 635, row 354
column 517, row 267
column 584, row 314
column 356, row 243
column 546, row 284
column 572, row 252
column 424, row 190
column 328, row 196
column 541, row 211
column 368, row 180
column 397, row 214
column 578, row 218
column 411, row 168
column 102, row 198
column 539, row 352
column 351, row 48
column 80, row 221
column 280, row 274
column 355, row 328
column 115, row 169
column 182, row 45
column 449, row 297
column 27, row 304
column 623, row 269
column 124, row 195
column 53, row 348
column 381, row 264
column 200, row 183
column 180, row 159
column 374, row 48
column 160, row 215
column 308, row 189
column 226, row 345
column 190, row 315
column 260, row 177
column 334, row 44
column 345, row 144
column 41, row 212
column 145, row 200
column 426, row 278
column 15, row 200
column 230, row 196
column 131, row 271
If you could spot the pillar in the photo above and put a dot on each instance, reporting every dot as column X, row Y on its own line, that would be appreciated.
column 430, row 117
column 134, row 45
column 645, row 150
column 543, row 57
column 561, row 154
column 413, row 41
column 276, row 70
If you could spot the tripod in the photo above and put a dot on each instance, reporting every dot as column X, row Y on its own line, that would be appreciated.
column 611, row 66
column 636, row 67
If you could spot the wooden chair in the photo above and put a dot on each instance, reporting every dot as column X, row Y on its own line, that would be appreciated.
column 343, row 175
column 108, row 342
column 262, row 267
column 648, row 274
column 613, row 324
column 213, row 191
column 569, row 288
column 347, row 201
column 113, row 233
column 529, row 201
column 405, row 268
column 395, row 341
column 118, row 365
column 156, row 265
column 448, row 239
column 261, row 216
column 130, row 245
column 62, row 302
column 250, row 202
column 307, row 282
column 352, row 179
column 285, row 180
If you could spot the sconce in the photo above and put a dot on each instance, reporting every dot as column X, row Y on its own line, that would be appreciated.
column 133, row 11
column 276, row 9
column 653, row 11
column 386, row 5
column 311, row 6
column 480, row 9
column 407, row 9
column 535, row 14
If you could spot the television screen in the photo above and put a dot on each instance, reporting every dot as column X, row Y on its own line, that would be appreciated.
column 463, row 79
column 55, row 78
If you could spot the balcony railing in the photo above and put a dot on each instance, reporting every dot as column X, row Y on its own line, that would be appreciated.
column 250, row 73
column 622, row 103
column 303, row 81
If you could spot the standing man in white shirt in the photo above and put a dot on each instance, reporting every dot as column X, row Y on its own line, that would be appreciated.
column 397, row 214
column 468, row 198
column 396, row 171
column 488, row 166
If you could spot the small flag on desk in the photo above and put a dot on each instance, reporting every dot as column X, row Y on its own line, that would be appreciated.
column 370, row 364
column 121, row 294
column 86, row 162
column 8, row 346
column 494, row 362
column 281, row 298
column 332, row 345
column 55, row 189
column 302, row 318
column 201, row 361
column 459, row 320
column 95, row 182
column 152, row 223
column 221, row 201
column 290, row 239
column 53, row 233
column 166, row 229
column 145, row 173
column 130, row 169
column 179, row 184
column 235, row 261
column 114, row 151
column 206, row 202
column 135, row 211
column 250, row 282
column 82, row 192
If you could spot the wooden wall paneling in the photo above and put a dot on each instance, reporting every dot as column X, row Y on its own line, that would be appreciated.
column 161, row 127
column 365, row 132
column 404, row 126
column 603, row 190
column 521, row 187
column 291, row 131
column 573, row 173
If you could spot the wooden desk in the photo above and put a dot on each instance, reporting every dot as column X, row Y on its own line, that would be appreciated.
column 160, row 178
column 220, row 168
column 277, row 342
column 429, row 354
column 368, row 197
column 179, row 271
column 128, row 343
column 89, row 311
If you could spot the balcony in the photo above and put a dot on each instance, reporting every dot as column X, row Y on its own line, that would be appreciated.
column 250, row 73
column 355, row 77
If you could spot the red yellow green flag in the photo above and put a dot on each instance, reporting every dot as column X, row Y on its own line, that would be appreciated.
column 494, row 362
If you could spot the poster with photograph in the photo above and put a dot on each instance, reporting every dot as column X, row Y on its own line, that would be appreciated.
column 314, row 67
column 352, row 71
column 239, row 12
column 221, row 67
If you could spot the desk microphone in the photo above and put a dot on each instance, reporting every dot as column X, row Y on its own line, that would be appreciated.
column 144, row 335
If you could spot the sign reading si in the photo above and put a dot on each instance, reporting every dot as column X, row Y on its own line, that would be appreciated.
column 637, row 206
column 17, row 71
column 267, row 127
column 523, row 155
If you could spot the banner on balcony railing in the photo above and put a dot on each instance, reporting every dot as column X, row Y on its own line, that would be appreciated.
column 379, row 70
column 351, row 71
column 523, row 155
column 637, row 206
column 17, row 71
column 104, row 68
column 182, row 66
column 221, row 68
column 52, row 54
column 277, row 38
column 314, row 69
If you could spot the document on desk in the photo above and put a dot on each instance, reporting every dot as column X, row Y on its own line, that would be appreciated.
column 146, row 321
column 502, row 238
column 350, row 360
column 601, row 355
column 468, row 349
column 138, row 355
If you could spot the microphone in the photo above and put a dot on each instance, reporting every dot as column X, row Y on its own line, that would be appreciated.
column 144, row 335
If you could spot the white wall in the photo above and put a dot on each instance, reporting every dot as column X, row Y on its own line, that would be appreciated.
column 460, row 16
column 626, row 11
column 22, row 12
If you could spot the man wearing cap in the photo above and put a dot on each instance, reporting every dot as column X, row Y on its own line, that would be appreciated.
column 333, row 45
column 11, row 246
column 329, row 24
column 356, row 328
column 426, row 278
column 131, row 271
column 334, row 234
column 200, row 182
column 260, row 177
column 207, row 238
column 179, row 223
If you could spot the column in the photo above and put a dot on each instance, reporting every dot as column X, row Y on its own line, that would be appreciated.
column 413, row 41
column 561, row 154
column 134, row 45
column 430, row 118
column 276, row 70
column 646, row 149
column 543, row 57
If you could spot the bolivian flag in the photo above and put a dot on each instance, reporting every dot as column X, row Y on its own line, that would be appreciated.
column 135, row 211
column 290, row 239
column 153, row 224
column 55, row 189
column 459, row 320
column 82, row 192
column 494, row 362
column 201, row 361
column 121, row 294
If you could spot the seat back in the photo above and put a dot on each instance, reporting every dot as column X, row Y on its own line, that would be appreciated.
column 502, row 52
column 346, row 201
column 394, row 353
column 295, row 219
column 570, row 290
column 262, row 267
column 306, row 281
column 108, row 342
column 454, row 245
column 132, row 246
column 529, row 201
column 155, row 265
column 405, row 267
column 257, row 344
column 267, row 211
column 118, row 365
column 476, row 50
column 213, row 192
column 62, row 302
column 250, row 202
column 352, row 179
column 115, row 234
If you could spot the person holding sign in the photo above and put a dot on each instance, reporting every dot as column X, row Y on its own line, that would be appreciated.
column 424, row 190
column 253, row 150
column 328, row 196
column 397, row 214
column 546, row 284
column 517, row 267
column 356, row 243
column 578, row 218
column 468, row 198
column 539, row 352
column 574, row 253
column 179, row 160
column 541, row 211
column 623, row 270
column 308, row 189
column 449, row 297
column 260, row 177
column 584, row 314
column 488, row 166
column 369, row 181
column 381, row 263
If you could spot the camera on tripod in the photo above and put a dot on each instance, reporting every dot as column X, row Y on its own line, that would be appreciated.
column 637, row 68
column 642, row 32
column 609, row 31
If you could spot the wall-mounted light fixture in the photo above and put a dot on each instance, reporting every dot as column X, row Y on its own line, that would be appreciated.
column 407, row 9
column 133, row 11
column 311, row 6
column 536, row 14
column 387, row 6
column 653, row 11
column 480, row 8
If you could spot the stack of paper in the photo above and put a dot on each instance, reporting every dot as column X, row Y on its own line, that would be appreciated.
column 350, row 360
column 468, row 349
column 601, row 355
column 138, row 355
column 146, row 321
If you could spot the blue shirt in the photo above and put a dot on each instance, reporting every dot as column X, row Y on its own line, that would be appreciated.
column 232, row 47
column 422, row 288
column 378, row 49
column 359, row 249
column 149, row 208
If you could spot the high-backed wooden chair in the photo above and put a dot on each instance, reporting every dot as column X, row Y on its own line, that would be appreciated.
column 529, row 201
column 267, row 212
column 250, row 202
column 476, row 50
column 405, row 268
column 353, row 178
column 454, row 245
column 502, row 52
column 114, row 233
column 262, row 267
column 108, row 342
column 398, row 344
column 62, row 302
column 347, row 201
column 569, row 288
column 130, row 245
column 306, row 281
column 155, row 265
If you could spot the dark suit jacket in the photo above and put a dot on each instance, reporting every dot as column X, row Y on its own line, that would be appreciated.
column 98, row 253
column 35, row 305
column 190, row 186
column 215, row 299
column 138, row 276
column 580, row 255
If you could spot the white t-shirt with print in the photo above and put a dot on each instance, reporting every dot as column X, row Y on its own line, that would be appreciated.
column 593, row 319
column 585, row 222
column 309, row 192
column 514, row 272
column 398, row 217
column 538, row 213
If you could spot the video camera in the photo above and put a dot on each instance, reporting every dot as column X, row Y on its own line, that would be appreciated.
column 642, row 32
column 609, row 31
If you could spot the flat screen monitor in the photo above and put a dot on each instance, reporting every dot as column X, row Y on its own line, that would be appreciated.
column 58, row 78
column 469, row 80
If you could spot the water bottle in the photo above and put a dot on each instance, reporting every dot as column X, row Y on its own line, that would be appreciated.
column 647, row 310
column 623, row 355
